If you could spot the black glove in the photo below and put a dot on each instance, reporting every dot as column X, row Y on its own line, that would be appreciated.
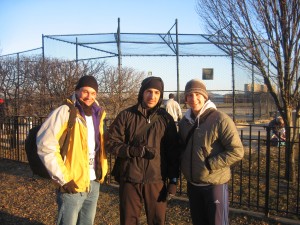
column 70, row 187
column 136, row 151
column 149, row 153
column 142, row 151
column 163, row 194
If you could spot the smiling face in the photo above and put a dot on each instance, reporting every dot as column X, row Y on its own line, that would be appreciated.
column 196, row 101
column 151, row 97
column 87, row 95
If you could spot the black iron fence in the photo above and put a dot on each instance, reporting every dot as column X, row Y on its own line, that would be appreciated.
column 260, row 182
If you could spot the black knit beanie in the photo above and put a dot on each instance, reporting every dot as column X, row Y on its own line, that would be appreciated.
column 87, row 81
column 151, row 82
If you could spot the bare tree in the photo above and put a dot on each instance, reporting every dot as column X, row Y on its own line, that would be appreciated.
column 56, row 79
column 119, row 90
column 264, row 34
column 35, row 86
column 10, row 82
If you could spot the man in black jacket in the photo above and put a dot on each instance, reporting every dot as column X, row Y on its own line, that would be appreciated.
column 149, row 159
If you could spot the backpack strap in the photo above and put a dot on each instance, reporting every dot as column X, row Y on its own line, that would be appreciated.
column 201, row 120
column 65, row 138
column 191, row 131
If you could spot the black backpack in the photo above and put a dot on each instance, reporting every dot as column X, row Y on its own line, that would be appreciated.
column 35, row 163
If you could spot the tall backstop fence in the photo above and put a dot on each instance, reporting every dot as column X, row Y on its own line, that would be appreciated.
column 35, row 81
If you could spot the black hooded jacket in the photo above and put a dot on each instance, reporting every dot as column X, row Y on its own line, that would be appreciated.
column 161, row 136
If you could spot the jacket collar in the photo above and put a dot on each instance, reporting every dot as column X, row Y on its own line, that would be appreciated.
column 207, row 105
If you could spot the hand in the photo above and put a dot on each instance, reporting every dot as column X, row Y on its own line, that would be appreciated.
column 163, row 194
column 142, row 151
column 172, row 188
column 70, row 187
column 136, row 151
column 149, row 153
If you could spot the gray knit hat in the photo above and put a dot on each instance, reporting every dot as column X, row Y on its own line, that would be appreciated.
column 196, row 85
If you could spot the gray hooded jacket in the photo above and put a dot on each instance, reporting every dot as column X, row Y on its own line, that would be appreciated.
column 215, row 143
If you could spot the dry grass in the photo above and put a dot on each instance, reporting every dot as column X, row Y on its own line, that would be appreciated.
column 28, row 201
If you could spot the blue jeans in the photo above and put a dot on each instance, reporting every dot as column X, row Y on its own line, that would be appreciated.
column 79, row 208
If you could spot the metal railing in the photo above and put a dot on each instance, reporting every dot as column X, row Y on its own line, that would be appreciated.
column 258, row 182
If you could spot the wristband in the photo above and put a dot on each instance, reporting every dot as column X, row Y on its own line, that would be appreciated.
column 173, row 180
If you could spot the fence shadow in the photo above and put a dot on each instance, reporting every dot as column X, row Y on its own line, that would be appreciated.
column 8, row 219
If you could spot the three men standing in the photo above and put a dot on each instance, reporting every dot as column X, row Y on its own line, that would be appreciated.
column 144, row 138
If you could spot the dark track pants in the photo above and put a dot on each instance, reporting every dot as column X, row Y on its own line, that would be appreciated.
column 132, row 197
column 209, row 205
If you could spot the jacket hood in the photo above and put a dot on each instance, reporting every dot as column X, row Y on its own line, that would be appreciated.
column 207, row 105
column 152, row 82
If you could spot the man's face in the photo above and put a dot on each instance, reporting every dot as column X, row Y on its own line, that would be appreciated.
column 151, row 97
column 196, row 101
column 87, row 95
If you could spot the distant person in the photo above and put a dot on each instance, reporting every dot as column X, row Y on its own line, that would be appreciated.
column 173, row 108
column 278, row 131
column 79, row 174
column 149, row 160
column 211, row 145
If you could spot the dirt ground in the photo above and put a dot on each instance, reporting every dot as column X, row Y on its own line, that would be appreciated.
column 25, row 200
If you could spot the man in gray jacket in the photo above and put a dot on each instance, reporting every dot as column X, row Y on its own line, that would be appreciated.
column 211, row 145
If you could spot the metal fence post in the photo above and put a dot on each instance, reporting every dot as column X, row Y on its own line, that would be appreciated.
column 267, row 189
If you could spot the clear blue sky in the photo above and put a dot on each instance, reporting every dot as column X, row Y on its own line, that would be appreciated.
column 22, row 23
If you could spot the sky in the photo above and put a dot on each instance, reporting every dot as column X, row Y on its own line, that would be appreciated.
column 23, row 22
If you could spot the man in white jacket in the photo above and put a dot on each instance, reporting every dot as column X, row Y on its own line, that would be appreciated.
column 79, row 174
column 173, row 108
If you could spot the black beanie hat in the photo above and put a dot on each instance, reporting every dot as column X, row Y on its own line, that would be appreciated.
column 87, row 81
column 151, row 82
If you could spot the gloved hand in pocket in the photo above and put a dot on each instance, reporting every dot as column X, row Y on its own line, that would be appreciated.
column 136, row 151
column 70, row 187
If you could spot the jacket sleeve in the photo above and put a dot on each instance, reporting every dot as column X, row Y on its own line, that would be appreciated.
column 172, row 149
column 233, row 149
column 48, row 144
column 116, row 143
column 103, row 157
column 179, row 112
